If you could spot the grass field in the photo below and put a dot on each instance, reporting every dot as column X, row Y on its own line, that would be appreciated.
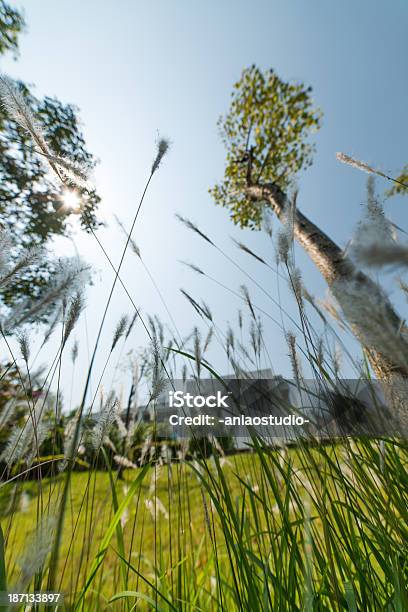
column 306, row 528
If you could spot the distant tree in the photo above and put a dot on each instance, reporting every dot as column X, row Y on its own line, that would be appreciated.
column 11, row 25
column 31, row 204
column 266, row 135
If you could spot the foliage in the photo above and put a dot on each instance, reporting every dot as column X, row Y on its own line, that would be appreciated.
column 265, row 134
column 30, row 202
column 400, row 184
column 11, row 25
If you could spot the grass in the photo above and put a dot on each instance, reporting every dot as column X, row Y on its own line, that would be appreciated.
column 307, row 528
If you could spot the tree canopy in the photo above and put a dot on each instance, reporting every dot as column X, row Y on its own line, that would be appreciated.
column 11, row 24
column 30, row 201
column 265, row 133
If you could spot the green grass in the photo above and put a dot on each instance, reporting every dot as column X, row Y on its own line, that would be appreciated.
column 321, row 528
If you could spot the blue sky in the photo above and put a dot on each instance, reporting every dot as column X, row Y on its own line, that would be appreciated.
column 138, row 68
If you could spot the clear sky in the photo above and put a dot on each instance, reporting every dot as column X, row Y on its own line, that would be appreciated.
column 138, row 68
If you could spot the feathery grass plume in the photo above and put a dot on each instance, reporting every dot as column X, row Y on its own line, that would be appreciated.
column 152, row 453
column 230, row 340
column 163, row 145
column 104, row 422
column 71, row 171
column 360, row 165
column 24, row 345
column 192, row 267
column 320, row 350
column 238, row 371
column 245, row 293
column 25, row 502
column 208, row 339
column 131, row 324
column 267, row 222
column 192, row 301
column 69, row 438
column 74, row 311
column 6, row 245
column 282, row 247
column 125, row 516
column 286, row 232
column 259, row 329
column 190, row 225
column 247, row 250
column 145, row 449
column 244, row 351
column 158, row 376
column 16, row 446
column 364, row 167
column 369, row 312
column 331, row 307
column 184, row 373
column 119, row 330
column 197, row 350
column 74, row 352
column 28, row 258
column 337, row 358
column 122, row 430
column 65, row 169
column 312, row 301
column 374, row 228
column 294, row 358
column 217, row 445
column 205, row 309
column 153, row 329
column 240, row 319
column 124, row 462
column 183, row 448
column 109, row 444
column 70, row 276
column 165, row 454
column 52, row 325
column 152, row 502
column 156, row 507
column 38, row 546
column 155, row 476
column 17, row 108
column 24, row 442
column 7, row 413
column 254, row 337
column 295, row 283
column 379, row 255
column 160, row 329
column 132, row 242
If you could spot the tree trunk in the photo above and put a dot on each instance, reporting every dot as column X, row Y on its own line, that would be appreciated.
column 367, row 310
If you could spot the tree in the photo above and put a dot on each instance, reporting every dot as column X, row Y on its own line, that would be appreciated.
column 266, row 136
column 31, row 204
column 11, row 24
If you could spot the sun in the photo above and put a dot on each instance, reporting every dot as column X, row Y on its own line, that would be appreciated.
column 71, row 201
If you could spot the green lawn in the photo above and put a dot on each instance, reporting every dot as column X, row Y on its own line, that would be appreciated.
column 259, row 529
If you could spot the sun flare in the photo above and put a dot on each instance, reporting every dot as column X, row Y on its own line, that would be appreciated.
column 71, row 201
